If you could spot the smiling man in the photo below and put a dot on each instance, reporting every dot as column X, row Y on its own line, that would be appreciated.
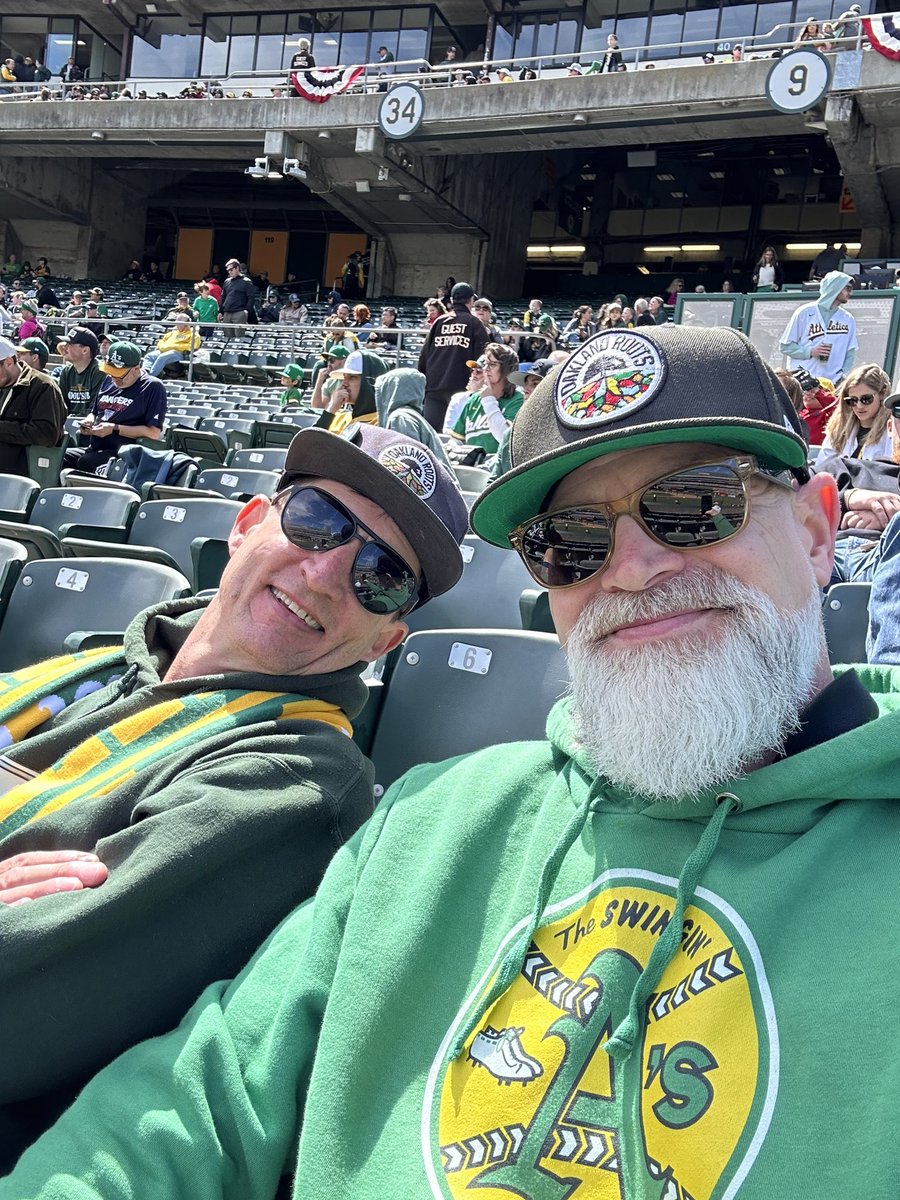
column 191, row 788
column 615, row 963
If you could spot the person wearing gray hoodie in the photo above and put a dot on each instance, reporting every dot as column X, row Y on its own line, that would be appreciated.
column 400, row 402
column 822, row 336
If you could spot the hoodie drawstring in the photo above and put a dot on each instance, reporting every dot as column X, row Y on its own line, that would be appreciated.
column 518, row 948
column 622, row 1042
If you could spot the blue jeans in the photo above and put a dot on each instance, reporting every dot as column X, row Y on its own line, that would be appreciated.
column 156, row 361
column 860, row 560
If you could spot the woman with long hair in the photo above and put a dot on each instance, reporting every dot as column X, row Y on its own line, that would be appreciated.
column 858, row 426
column 488, row 413
column 809, row 33
column 676, row 286
column 767, row 274
column 582, row 324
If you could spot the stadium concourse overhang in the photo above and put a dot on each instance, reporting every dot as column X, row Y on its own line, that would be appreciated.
column 460, row 192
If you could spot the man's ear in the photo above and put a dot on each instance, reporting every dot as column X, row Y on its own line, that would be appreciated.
column 252, row 514
column 818, row 508
column 387, row 640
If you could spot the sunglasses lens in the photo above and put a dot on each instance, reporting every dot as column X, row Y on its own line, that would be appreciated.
column 566, row 547
column 312, row 522
column 695, row 508
column 382, row 581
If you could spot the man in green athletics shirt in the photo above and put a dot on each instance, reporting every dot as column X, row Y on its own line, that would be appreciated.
column 648, row 958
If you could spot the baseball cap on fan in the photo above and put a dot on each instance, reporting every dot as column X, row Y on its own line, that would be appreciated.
column 623, row 389
column 404, row 478
column 120, row 358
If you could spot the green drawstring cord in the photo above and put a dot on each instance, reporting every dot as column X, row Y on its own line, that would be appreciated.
column 621, row 1044
column 515, row 955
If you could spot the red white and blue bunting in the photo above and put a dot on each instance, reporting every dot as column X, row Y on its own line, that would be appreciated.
column 321, row 83
column 884, row 35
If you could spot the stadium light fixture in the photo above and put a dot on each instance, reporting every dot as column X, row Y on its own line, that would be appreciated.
column 806, row 246
column 292, row 167
column 642, row 269
column 362, row 185
column 662, row 249
column 262, row 170
column 532, row 251
column 712, row 246
column 573, row 249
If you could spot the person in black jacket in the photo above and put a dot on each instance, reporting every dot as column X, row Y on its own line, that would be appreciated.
column 453, row 341
column 238, row 295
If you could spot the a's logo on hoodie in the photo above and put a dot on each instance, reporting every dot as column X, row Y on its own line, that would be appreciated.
column 534, row 1106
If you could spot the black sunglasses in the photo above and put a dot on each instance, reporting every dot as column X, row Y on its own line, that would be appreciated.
column 314, row 520
column 688, row 509
column 862, row 400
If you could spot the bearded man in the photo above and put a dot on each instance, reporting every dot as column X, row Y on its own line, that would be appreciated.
column 618, row 963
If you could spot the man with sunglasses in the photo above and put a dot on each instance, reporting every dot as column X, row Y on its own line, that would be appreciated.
column 192, row 788
column 619, row 962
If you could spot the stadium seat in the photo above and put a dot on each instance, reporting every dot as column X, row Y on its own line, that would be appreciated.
column 17, row 497
column 208, row 559
column 162, row 532
column 487, row 595
column 271, row 434
column 239, row 432
column 238, row 481
column 534, row 609
column 45, row 462
column 59, row 507
column 209, row 447
column 269, row 459
column 472, row 479
column 845, row 612
column 13, row 557
column 454, row 691
column 78, row 594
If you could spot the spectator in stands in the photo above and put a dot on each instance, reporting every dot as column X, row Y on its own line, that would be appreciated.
column 700, row 289
column 237, row 298
column 303, row 60
column 70, row 71
column 490, row 411
column 75, row 308
column 830, row 259
column 433, row 310
column 29, row 326
column 847, row 24
column 581, row 324
column 453, row 340
column 181, row 308
column 823, row 334
column 737, row 53
column 350, row 387
column 173, row 346
column 130, row 405
column 768, row 275
column 613, row 318
column 206, row 309
column 80, row 379
column 384, row 56
column 12, row 268
column 727, row 286
column 333, row 299
column 532, row 314
column 154, row 274
column 362, row 317
column 612, row 58
column 33, row 412
column 339, row 318
column 528, row 379
column 41, row 72
column 290, row 377
column 92, row 319
column 42, row 270
column 333, row 358
column 657, row 311
column 642, row 314
column 385, row 337
column 35, row 353
column 483, row 309
column 294, row 312
column 528, row 73
column 790, row 384
column 215, row 288
column 858, row 428
column 353, row 275
column 135, row 272
column 97, row 295
column 46, row 297
column 228, row 777
column 676, row 286
column 400, row 404
column 809, row 33
column 270, row 310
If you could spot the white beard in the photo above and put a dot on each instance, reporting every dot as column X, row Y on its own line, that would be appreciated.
column 669, row 719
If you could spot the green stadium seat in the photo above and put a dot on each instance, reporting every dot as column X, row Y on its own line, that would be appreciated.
column 56, row 508
column 17, row 497
column 235, row 482
column 208, row 559
column 269, row 459
column 487, row 595
column 45, row 462
column 74, row 594
column 210, row 448
column 271, row 433
column 455, row 691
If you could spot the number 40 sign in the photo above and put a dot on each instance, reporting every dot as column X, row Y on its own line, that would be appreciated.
column 798, row 80
column 401, row 111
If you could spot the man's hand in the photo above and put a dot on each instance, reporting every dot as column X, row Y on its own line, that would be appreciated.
column 867, row 509
column 822, row 352
column 102, row 429
column 37, row 873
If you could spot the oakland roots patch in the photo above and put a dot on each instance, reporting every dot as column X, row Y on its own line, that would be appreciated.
column 610, row 375
column 533, row 1106
column 412, row 466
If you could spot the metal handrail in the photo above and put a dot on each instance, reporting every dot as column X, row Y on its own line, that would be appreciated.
column 379, row 73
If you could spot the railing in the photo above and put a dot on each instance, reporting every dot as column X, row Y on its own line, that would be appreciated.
column 416, row 70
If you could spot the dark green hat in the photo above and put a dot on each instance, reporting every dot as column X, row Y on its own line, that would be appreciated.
column 34, row 345
column 293, row 372
column 625, row 388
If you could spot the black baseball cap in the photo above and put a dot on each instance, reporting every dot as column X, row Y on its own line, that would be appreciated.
column 628, row 388
column 79, row 336
column 462, row 292
column 402, row 476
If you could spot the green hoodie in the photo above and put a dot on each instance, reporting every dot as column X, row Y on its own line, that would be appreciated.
column 208, row 849
column 450, row 1016
column 400, row 403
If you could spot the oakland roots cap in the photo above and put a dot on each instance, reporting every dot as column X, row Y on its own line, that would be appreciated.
column 627, row 388
column 404, row 478
column 120, row 358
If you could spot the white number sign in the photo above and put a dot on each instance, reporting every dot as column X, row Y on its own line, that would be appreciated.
column 401, row 111
column 798, row 81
